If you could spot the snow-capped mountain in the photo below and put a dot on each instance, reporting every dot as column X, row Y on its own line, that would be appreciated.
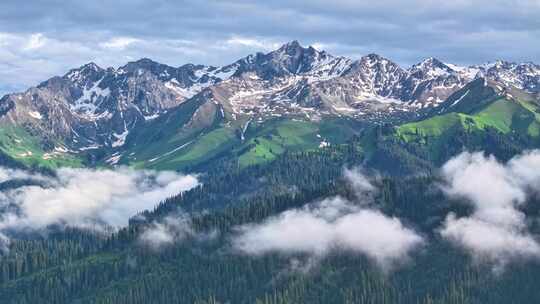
column 297, row 80
column 292, row 59
column 431, row 81
column 91, row 107
column 524, row 76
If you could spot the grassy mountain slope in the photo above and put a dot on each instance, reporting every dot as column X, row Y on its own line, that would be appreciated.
column 502, row 126
column 503, row 115
column 271, row 139
column 198, row 131
column 262, row 142
column 19, row 144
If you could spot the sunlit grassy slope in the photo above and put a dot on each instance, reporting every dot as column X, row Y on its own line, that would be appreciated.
column 248, row 143
column 275, row 137
column 502, row 114
column 17, row 143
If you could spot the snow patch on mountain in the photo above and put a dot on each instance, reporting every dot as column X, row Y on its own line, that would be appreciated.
column 120, row 139
column 87, row 105
column 184, row 93
column 460, row 98
column 35, row 115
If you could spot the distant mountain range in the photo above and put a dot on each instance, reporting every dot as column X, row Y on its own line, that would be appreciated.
column 146, row 112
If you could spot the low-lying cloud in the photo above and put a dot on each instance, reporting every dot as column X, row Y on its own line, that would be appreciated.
column 171, row 230
column 87, row 197
column 166, row 232
column 496, row 230
column 7, row 174
column 363, row 189
column 332, row 224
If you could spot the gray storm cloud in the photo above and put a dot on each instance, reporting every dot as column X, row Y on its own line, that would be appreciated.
column 496, row 231
column 332, row 224
column 88, row 197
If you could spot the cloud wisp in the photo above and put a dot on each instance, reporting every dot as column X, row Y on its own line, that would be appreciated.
column 8, row 174
column 496, row 231
column 171, row 230
column 364, row 190
column 333, row 224
column 88, row 198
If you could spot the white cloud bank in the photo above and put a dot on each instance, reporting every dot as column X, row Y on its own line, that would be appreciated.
column 87, row 197
column 333, row 224
column 496, row 231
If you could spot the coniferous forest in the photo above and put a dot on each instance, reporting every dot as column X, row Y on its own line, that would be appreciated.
column 69, row 265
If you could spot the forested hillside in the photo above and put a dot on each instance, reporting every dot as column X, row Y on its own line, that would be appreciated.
column 202, row 265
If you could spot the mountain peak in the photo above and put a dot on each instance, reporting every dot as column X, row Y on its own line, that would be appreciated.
column 292, row 48
column 373, row 63
column 145, row 60
column 145, row 64
column 92, row 66
column 372, row 57
column 430, row 63
column 291, row 45
column 375, row 59
column 290, row 58
column 498, row 64
column 432, row 67
column 433, row 61
column 89, row 70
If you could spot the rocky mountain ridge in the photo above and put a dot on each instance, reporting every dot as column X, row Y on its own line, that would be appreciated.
column 91, row 107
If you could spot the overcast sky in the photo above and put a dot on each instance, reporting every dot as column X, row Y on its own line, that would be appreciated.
column 39, row 39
